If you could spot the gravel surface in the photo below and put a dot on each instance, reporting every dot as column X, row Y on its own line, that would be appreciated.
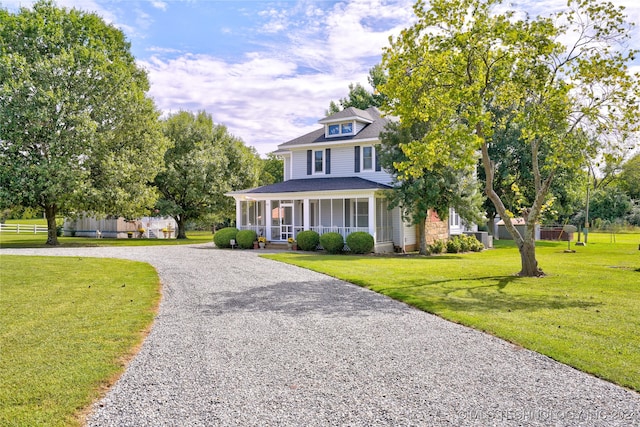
column 244, row 341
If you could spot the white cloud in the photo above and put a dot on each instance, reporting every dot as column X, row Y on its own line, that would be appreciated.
column 159, row 5
column 280, row 90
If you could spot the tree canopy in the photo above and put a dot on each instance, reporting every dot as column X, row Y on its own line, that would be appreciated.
column 359, row 96
column 471, row 70
column 204, row 163
column 445, row 185
column 77, row 131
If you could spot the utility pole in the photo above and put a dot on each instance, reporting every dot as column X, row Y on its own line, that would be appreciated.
column 586, row 217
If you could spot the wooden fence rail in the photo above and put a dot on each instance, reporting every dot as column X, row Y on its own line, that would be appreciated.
column 22, row 228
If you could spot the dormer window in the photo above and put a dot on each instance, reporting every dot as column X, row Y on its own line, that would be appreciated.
column 340, row 129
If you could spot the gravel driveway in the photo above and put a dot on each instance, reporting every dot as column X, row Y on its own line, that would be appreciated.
column 244, row 341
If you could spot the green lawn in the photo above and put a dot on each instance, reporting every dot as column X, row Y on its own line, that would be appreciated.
column 30, row 240
column 32, row 221
column 67, row 327
column 585, row 313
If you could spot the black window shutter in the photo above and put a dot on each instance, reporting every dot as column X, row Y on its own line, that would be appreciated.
column 378, row 167
column 309, row 158
column 356, row 166
column 327, row 161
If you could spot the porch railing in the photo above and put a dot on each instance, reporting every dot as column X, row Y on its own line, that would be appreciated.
column 344, row 231
column 260, row 230
column 276, row 231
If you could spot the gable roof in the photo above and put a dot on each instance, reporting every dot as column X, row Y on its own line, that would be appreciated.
column 316, row 184
column 351, row 113
column 376, row 124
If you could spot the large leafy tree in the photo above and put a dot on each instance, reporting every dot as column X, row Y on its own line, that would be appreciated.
column 205, row 162
column 447, row 184
column 630, row 177
column 77, row 132
column 359, row 96
column 470, row 71
column 272, row 170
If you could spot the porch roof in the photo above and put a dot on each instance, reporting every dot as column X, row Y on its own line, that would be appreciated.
column 316, row 184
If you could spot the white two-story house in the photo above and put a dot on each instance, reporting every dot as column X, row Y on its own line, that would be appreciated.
column 332, row 182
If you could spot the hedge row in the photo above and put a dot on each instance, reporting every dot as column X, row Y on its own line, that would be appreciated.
column 358, row 242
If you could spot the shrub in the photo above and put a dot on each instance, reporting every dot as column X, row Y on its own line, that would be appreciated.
column 332, row 242
column 437, row 247
column 223, row 237
column 474, row 244
column 453, row 245
column 308, row 240
column 360, row 242
column 245, row 239
column 465, row 244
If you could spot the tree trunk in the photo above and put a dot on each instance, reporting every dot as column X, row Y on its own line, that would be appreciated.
column 423, row 238
column 52, row 229
column 182, row 232
column 528, row 259
column 527, row 244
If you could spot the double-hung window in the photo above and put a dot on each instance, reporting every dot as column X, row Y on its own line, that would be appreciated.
column 318, row 162
column 367, row 158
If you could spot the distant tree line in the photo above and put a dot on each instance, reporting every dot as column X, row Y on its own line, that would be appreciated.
column 79, row 134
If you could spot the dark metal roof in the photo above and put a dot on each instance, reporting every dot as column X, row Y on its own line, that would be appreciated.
column 370, row 131
column 316, row 184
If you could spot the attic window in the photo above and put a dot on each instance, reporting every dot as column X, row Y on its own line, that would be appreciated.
column 340, row 129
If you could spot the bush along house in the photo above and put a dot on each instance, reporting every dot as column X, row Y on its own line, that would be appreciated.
column 333, row 182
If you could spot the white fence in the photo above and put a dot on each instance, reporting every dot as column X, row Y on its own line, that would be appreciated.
column 22, row 228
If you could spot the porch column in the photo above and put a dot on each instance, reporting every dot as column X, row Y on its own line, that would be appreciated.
column 238, row 213
column 306, row 218
column 267, row 214
column 372, row 218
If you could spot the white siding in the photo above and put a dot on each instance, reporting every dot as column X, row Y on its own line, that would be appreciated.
column 299, row 159
column 360, row 126
column 287, row 168
column 409, row 234
column 342, row 165
column 342, row 162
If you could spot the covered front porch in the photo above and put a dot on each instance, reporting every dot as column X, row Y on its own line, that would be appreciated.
column 279, row 219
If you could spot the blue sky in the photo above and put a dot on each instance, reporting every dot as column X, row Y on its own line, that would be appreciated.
column 265, row 69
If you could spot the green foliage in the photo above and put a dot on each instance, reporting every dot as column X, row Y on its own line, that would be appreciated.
column 223, row 237
column 463, row 243
column 360, row 242
column 205, row 162
column 308, row 240
column 437, row 247
column 609, row 205
column 77, row 130
column 446, row 185
column 630, row 177
column 272, row 170
column 245, row 238
column 68, row 326
column 489, row 70
column 332, row 242
column 359, row 96
column 453, row 245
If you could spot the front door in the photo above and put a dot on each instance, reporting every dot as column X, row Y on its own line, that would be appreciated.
column 286, row 221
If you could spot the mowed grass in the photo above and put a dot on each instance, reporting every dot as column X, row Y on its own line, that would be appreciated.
column 30, row 240
column 67, row 328
column 585, row 312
